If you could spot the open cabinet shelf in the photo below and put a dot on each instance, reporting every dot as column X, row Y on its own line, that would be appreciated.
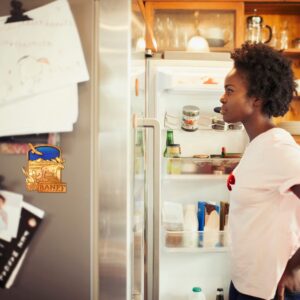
column 293, row 52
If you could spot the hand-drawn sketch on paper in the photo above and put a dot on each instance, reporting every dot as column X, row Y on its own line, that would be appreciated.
column 40, row 55
column 31, row 71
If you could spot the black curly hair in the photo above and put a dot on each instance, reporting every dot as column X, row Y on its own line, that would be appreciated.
column 269, row 76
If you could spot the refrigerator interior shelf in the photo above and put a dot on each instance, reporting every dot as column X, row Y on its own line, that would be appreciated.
column 195, row 250
column 213, row 166
column 205, row 122
column 200, row 241
column 193, row 90
column 196, row 177
column 203, row 127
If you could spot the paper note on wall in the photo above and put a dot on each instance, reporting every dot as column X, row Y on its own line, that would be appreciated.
column 40, row 55
column 55, row 111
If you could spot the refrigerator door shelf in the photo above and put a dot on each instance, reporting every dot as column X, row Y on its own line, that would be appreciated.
column 199, row 241
column 196, row 177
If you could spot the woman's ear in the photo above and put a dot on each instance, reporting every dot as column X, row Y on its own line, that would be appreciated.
column 257, row 102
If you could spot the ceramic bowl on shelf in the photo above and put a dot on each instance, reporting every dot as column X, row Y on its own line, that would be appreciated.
column 216, row 42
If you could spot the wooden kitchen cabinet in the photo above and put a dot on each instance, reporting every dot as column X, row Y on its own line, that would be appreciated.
column 175, row 22
column 297, row 138
column 281, row 16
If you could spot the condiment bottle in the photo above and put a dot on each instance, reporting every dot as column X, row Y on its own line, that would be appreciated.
column 190, row 118
column 223, row 152
column 169, row 141
column 197, row 294
column 173, row 150
column 174, row 161
column 220, row 294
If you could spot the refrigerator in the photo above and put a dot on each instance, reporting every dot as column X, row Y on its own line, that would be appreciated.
column 172, row 84
column 116, row 175
column 138, row 96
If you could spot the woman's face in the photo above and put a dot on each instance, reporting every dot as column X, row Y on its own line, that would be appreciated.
column 236, row 105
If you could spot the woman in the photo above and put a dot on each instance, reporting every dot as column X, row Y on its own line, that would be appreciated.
column 264, row 216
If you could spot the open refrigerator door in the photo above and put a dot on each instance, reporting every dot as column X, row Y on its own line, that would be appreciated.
column 193, row 248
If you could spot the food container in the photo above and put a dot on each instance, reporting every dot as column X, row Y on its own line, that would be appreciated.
column 190, row 118
column 207, row 240
column 188, row 166
column 192, row 165
column 218, row 124
column 174, row 166
column 173, row 239
column 204, row 166
column 173, row 150
column 174, row 161
column 235, row 126
column 224, row 166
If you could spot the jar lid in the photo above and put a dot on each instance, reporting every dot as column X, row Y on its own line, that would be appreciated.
column 191, row 110
column 197, row 289
column 174, row 145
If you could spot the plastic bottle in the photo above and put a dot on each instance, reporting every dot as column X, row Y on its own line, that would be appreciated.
column 190, row 227
column 220, row 294
column 223, row 152
column 201, row 221
column 169, row 141
column 197, row 294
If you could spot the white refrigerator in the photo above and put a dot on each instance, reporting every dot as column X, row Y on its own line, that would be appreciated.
column 171, row 267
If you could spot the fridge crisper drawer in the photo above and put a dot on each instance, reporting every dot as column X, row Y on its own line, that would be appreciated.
column 190, row 165
column 210, row 240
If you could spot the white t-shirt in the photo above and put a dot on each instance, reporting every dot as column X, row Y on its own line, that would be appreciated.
column 264, row 217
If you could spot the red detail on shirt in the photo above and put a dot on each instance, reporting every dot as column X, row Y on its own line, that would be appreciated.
column 230, row 181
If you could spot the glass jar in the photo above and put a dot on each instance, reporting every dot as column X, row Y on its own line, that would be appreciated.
column 190, row 118
column 174, row 160
column 173, row 150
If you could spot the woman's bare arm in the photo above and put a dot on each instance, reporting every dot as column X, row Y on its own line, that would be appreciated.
column 296, row 190
column 291, row 276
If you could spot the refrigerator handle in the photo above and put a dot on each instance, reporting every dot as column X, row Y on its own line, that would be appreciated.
column 153, row 232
